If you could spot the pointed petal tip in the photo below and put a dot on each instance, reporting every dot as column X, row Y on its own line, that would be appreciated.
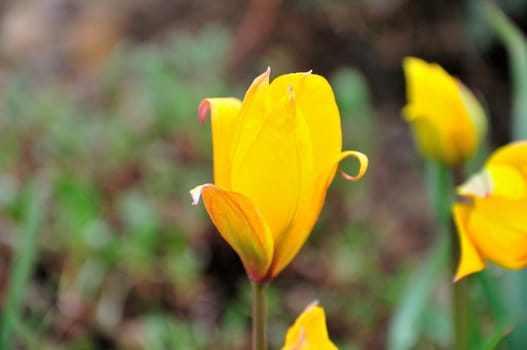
column 203, row 110
column 312, row 305
column 195, row 193
column 308, row 72
column 460, row 274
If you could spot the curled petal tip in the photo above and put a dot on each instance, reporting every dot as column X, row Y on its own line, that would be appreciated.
column 195, row 193
column 203, row 110
column 308, row 72
column 363, row 165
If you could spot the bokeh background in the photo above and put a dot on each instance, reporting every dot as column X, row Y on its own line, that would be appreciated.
column 100, row 143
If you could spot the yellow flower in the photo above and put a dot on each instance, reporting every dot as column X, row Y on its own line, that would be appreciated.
column 275, row 154
column 447, row 121
column 490, row 213
column 309, row 331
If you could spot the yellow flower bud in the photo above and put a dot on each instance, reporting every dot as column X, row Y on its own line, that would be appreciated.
column 447, row 121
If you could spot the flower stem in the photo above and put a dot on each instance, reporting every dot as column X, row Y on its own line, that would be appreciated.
column 441, row 182
column 259, row 317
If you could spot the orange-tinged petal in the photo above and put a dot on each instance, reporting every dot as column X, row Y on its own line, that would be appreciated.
column 277, row 164
column 224, row 115
column 497, row 228
column 470, row 259
column 309, row 331
column 241, row 225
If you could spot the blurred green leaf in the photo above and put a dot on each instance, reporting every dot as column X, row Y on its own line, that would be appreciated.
column 406, row 323
column 23, row 262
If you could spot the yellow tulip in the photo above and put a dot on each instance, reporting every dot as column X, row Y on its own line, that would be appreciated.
column 309, row 331
column 490, row 213
column 447, row 121
column 275, row 154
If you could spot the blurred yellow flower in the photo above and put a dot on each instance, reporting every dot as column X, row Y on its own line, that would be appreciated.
column 309, row 331
column 490, row 214
column 275, row 154
column 447, row 121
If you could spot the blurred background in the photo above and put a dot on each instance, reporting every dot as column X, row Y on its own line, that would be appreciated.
column 100, row 143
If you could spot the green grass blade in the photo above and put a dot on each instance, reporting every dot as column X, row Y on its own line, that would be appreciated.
column 22, row 265
column 516, row 45
column 406, row 325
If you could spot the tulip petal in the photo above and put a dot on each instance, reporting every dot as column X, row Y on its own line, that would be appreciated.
column 513, row 154
column 276, row 162
column 507, row 182
column 224, row 114
column 317, row 102
column 309, row 331
column 496, row 226
column 252, row 114
column 288, row 244
column 470, row 259
column 241, row 225
column 316, row 105
column 475, row 112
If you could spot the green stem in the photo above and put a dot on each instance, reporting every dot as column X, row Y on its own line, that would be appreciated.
column 259, row 317
column 441, row 188
column 462, row 316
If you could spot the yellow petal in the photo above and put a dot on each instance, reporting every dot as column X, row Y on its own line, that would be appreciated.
column 309, row 331
column 446, row 119
column 497, row 228
column 470, row 259
column 429, row 135
column 252, row 114
column 513, row 154
column 507, row 182
column 316, row 104
column 478, row 119
column 224, row 115
column 288, row 244
column 273, row 164
column 316, row 100
column 241, row 225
